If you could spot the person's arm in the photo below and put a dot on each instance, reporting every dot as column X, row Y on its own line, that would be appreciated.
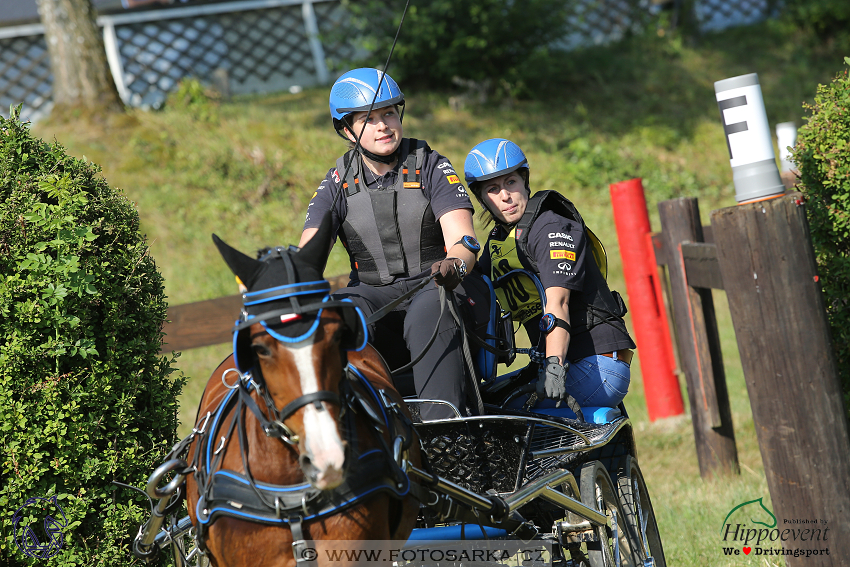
column 306, row 235
column 455, row 225
column 320, row 205
column 558, row 340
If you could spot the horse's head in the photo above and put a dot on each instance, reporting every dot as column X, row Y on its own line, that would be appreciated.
column 293, row 338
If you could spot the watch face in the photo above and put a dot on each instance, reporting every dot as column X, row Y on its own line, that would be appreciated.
column 547, row 323
column 471, row 244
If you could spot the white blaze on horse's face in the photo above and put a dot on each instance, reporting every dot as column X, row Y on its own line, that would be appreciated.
column 321, row 436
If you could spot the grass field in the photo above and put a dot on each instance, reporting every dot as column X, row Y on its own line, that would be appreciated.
column 246, row 168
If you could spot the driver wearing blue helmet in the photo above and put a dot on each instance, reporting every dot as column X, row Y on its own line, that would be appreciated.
column 588, row 346
column 401, row 210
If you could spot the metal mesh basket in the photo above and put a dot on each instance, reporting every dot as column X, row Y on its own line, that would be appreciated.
column 478, row 458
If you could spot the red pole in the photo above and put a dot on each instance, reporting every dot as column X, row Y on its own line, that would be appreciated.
column 649, row 318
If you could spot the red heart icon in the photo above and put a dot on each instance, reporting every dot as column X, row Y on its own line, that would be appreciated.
column 747, row 550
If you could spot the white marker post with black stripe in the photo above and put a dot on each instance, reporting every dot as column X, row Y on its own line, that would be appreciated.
column 748, row 137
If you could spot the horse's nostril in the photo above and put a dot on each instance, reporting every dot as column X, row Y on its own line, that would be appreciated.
column 307, row 467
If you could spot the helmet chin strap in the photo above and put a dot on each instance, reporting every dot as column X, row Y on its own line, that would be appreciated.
column 388, row 159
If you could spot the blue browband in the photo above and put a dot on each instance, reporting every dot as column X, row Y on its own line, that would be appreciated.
column 322, row 287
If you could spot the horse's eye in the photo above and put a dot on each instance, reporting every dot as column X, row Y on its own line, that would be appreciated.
column 261, row 350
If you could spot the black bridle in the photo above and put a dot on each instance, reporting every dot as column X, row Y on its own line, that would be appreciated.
column 303, row 298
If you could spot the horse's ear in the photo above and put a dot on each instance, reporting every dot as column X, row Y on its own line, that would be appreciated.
column 315, row 253
column 244, row 267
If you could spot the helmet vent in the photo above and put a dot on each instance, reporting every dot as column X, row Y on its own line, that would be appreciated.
column 346, row 91
column 514, row 153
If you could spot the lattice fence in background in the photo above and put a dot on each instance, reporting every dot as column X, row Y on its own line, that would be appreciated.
column 597, row 22
column 24, row 73
column 253, row 46
column 714, row 15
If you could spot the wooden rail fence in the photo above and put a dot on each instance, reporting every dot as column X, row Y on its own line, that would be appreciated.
column 205, row 323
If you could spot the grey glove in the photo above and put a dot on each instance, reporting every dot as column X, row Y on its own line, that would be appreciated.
column 551, row 381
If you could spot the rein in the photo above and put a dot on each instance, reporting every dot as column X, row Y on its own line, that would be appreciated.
column 383, row 311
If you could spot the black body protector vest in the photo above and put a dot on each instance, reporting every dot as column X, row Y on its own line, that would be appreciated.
column 390, row 232
column 596, row 304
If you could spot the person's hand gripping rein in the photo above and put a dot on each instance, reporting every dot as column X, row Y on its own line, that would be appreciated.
column 449, row 272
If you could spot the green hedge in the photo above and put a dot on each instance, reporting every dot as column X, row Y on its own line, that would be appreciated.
column 822, row 155
column 85, row 397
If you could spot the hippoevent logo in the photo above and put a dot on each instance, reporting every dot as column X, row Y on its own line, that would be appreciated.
column 49, row 541
column 765, row 535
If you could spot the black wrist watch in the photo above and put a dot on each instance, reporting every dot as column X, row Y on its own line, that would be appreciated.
column 548, row 322
column 470, row 244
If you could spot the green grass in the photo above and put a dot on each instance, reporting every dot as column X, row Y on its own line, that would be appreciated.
column 246, row 169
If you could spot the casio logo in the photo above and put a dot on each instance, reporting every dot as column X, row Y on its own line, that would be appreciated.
column 560, row 235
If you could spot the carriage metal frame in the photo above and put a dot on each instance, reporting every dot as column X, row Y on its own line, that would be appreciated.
column 509, row 474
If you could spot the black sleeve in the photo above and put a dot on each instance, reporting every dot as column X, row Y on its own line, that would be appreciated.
column 558, row 245
column 442, row 185
column 321, row 201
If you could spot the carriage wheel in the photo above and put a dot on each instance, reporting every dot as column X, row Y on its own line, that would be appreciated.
column 598, row 492
column 640, row 517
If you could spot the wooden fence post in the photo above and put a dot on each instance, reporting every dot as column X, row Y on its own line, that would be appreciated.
column 769, row 271
column 699, row 344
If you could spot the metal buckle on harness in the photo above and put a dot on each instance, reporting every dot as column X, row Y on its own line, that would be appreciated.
column 388, row 403
column 303, row 555
column 282, row 431
column 203, row 425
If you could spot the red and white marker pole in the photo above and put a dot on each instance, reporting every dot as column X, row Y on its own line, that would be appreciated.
column 646, row 304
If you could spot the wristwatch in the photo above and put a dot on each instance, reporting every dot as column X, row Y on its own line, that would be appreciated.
column 548, row 322
column 470, row 244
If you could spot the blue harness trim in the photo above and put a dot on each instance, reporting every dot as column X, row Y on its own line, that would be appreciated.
column 229, row 493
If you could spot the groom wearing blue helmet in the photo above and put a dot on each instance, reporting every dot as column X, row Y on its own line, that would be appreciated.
column 587, row 344
column 400, row 209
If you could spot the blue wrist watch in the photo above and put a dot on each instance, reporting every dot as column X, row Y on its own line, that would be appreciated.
column 548, row 323
column 470, row 244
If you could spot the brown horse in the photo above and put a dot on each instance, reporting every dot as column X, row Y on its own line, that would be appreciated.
column 294, row 440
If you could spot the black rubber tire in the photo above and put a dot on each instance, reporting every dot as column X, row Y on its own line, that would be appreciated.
column 598, row 492
column 634, row 496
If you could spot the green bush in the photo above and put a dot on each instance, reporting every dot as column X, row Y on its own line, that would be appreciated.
column 822, row 155
column 473, row 40
column 827, row 18
column 85, row 397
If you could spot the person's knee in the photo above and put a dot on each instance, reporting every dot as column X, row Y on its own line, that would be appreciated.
column 424, row 314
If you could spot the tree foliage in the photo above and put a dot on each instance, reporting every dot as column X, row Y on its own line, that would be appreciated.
column 827, row 18
column 85, row 397
column 473, row 40
column 821, row 154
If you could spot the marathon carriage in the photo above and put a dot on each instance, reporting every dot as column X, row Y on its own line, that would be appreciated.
column 567, row 477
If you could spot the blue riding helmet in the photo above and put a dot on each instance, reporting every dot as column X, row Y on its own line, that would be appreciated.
column 492, row 158
column 355, row 90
